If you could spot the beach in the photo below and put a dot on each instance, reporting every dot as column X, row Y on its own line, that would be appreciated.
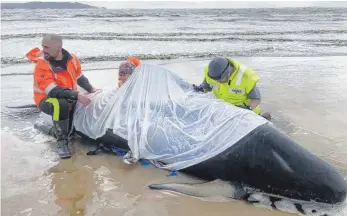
column 303, row 85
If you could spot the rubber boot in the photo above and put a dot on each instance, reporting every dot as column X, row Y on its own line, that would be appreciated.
column 46, row 129
column 62, row 132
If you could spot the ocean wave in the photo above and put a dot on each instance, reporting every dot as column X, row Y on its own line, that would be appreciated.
column 16, row 74
column 335, row 42
column 270, row 14
column 25, row 19
column 230, row 19
column 264, row 52
column 64, row 19
column 106, row 15
column 134, row 13
column 173, row 35
column 143, row 13
column 85, row 59
column 280, row 19
column 303, row 19
column 13, row 60
column 330, row 43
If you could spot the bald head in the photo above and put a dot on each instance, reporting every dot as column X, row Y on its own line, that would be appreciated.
column 53, row 37
column 52, row 45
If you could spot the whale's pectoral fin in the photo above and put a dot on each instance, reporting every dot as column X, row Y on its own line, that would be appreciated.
column 207, row 189
column 267, row 116
column 22, row 106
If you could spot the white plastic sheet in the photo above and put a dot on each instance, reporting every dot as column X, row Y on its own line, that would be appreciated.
column 164, row 120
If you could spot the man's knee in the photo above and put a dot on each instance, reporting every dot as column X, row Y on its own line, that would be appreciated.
column 58, row 108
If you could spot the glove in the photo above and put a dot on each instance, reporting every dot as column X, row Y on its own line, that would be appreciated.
column 198, row 88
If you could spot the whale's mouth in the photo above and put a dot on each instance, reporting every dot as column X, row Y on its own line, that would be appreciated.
column 282, row 162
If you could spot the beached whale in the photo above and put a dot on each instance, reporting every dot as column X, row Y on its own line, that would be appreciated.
column 267, row 160
column 263, row 168
column 157, row 116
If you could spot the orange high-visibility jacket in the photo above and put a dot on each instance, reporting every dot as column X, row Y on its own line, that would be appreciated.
column 45, row 78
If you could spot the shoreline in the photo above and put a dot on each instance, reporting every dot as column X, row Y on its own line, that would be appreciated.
column 108, row 65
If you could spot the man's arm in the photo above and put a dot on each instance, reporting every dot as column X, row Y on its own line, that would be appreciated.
column 59, row 92
column 255, row 97
column 203, row 87
column 83, row 82
column 206, row 86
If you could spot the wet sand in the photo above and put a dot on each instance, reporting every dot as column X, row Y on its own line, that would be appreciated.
column 306, row 97
column 99, row 185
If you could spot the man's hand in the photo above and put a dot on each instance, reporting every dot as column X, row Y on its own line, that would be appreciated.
column 198, row 88
column 94, row 90
column 83, row 99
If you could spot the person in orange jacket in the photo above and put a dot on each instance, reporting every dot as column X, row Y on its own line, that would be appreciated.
column 126, row 68
column 56, row 76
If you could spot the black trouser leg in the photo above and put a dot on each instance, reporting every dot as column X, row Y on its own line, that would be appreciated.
column 60, row 111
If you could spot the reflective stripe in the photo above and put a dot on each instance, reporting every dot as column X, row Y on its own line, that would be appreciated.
column 38, row 90
column 73, row 73
column 54, row 74
column 215, row 86
column 56, row 108
column 47, row 90
column 240, row 74
column 75, row 65
column 50, row 87
column 74, row 61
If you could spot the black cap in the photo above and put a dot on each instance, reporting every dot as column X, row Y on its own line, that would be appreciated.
column 219, row 68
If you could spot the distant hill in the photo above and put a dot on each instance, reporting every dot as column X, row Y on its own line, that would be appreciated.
column 46, row 5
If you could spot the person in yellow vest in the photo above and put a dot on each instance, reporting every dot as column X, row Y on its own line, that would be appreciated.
column 232, row 82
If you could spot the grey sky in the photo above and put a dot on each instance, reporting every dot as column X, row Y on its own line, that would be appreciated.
column 214, row 4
